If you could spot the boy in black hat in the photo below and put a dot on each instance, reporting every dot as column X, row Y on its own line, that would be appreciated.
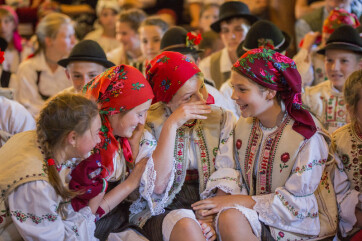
column 343, row 56
column 86, row 61
column 233, row 24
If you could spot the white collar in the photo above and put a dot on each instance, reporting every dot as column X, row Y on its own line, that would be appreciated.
column 225, row 62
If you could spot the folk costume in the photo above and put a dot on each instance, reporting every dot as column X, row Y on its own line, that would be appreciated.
column 347, row 150
column 21, row 187
column 203, row 159
column 116, row 90
column 285, row 168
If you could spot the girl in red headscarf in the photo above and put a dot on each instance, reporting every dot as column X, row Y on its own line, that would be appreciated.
column 282, row 156
column 123, row 96
column 196, row 153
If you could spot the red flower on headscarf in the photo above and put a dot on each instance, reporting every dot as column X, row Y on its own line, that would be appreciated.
column 2, row 58
column 338, row 17
column 192, row 40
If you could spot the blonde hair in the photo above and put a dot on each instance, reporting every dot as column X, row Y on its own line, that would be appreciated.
column 49, row 27
column 61, row 115
column 351, row 89
column 133, row 17
column 155, row 21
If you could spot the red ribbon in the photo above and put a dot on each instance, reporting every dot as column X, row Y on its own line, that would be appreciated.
column 126, row 148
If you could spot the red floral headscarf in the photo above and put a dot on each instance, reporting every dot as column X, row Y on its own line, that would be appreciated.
column 167, row 72
column 278, row 72
column 118, row 89
column 338, row 17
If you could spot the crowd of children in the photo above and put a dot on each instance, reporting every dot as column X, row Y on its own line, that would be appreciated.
column 137, row 133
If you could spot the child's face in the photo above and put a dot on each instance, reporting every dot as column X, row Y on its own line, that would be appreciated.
column 150, row 41
column 81, row 72
column 89, row 139
column 247, row 95
column 127, row 36
column 7, row 27
column 64, row 41
column 193, row 90
column 124, row 124
column 108, row 18
column 208, row 17
column 339, row 64
column 233, row 33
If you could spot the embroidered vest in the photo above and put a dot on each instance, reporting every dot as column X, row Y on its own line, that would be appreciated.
column 21, row 162
column 203, row 137
column 215, row 70
column 348, row 146
column 276, row 160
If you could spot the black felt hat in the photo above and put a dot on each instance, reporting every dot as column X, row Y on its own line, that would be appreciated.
column 344, row 38
column 87, row 50
column 230, row 10
column 174, row 40
column 264, row 33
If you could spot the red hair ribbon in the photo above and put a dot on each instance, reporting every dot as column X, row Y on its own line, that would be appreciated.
column 51, row 162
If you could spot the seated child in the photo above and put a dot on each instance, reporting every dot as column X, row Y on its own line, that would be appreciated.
column 343, row 53
column 347, row 150
column 311, row 64
column 86, row 61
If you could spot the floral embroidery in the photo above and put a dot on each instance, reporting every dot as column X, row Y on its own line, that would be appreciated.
column 164, row 59
column 324, row 181
column 238, row 144
column 3, row 215
column 223, row 141
column 165, row 84
column 22, row 217
column 309, row 166
column 284, row 158
column 335, row 112
column 280, row 235
column 293, row 210
column 137, row 86
column 148, row 142
column 223, row 178
column 205, row 159
column 75, row 230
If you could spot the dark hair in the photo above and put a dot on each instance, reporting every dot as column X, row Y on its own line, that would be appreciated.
column 62, row 114
column 155, row 21
column 133, row 17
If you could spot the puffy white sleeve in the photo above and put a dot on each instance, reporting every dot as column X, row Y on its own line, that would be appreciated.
column 347, row 198
column 34, row 209
column 27, row 92
column 154, row 201
column 226, row 177
column 303, row 60
column 293, row 207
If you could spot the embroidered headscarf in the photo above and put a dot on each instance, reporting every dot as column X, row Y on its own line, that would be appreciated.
column 16, row 35
column 278, row 72
column 338, row 17
column 167, row 72
column 116, row 90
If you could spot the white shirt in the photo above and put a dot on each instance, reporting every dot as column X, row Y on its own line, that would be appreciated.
column 107, row 43
column 50, row 82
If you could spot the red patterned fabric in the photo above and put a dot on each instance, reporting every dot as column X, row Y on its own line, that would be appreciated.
column 118, row 89
column 278, row 72
column 337, row 18
column 167, row 72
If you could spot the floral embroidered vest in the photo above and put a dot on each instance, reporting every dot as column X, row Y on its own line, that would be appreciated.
column 21, row 162
column 276, row 160
column 348, row 145
column 203, row 136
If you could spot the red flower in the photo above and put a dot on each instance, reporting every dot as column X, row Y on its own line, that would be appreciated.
column 285, row 157
column 238, row 144
column 192, row 39
column 2, row 57
column 281, row 234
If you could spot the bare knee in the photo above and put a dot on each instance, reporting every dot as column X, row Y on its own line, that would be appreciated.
column 231, row 220
column 186, row 224
column 186, row 229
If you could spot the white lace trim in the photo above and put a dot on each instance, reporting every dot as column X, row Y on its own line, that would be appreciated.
column 250, row 214
column 90, row 219
column 263, row 205
column 209, row 192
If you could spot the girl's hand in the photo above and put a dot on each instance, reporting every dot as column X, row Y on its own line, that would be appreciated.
column 135, row 139
column 95, row 202
column 135, row 177
column 208, row 230
column 189, row 111
column 216, row 204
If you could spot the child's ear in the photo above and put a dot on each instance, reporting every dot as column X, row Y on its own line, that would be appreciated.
column 48, row 41
column 71, row 138
column 271, row 94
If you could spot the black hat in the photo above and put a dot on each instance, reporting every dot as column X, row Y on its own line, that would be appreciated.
column 87, row 50
column 174, row 40
column 344, row 38
column 230, row 10
column 263, row 33
column 3, row 44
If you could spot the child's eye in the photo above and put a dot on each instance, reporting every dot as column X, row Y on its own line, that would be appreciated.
column 344, row 60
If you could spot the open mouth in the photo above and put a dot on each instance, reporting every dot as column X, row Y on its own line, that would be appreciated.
column 243, row 107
